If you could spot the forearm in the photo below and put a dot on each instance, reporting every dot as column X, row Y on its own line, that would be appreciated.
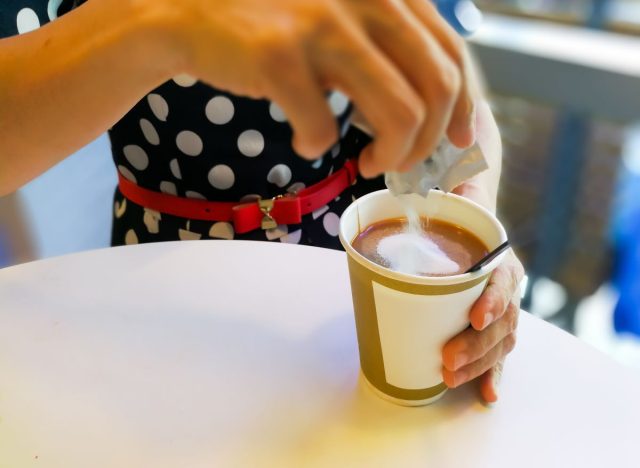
column 483, row 188
column 64, row 84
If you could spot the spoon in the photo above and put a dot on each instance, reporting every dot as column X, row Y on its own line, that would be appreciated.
column 489, row 257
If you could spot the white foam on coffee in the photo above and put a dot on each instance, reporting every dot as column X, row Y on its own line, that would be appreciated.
column 414, row 254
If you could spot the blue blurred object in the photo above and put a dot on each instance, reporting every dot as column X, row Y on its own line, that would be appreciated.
column 463, row 15
column 626, row 238
column 4, row 250
column 626, row 315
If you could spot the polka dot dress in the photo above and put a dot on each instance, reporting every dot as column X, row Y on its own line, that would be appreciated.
column 190, row 140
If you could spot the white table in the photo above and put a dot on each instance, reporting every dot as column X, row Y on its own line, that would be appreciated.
column 214, row 353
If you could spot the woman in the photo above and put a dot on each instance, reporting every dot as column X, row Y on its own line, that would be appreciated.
column 405, row 70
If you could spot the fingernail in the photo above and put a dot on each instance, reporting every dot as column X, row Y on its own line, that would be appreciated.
column 496, row 377
column 488, row 320
column 460, row 360
column 406, row 167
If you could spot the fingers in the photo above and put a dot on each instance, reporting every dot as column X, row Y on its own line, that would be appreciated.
column 494, row 317
column 417, row 53
column 475, row 369
column 503, row 288
column 302, row 99
column 461, row 128
column 473, row 346
column 407, row 87
column 385, row 98
column 490, row 382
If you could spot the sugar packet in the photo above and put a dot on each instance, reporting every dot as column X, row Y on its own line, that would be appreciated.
column 448, row 167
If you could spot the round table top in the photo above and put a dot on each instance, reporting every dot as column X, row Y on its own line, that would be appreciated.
column 229, row 353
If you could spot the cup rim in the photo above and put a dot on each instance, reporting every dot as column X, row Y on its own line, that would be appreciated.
column 416, row 279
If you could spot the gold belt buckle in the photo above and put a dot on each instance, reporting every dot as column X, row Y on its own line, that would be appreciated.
column 266, row 206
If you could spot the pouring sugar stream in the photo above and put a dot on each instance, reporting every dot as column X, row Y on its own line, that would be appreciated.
column 412, row 251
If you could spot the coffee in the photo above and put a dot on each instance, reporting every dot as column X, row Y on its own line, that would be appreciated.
column 441, row 249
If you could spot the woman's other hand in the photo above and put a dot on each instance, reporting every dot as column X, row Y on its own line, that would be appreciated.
column 398, row 60
column 480, row 350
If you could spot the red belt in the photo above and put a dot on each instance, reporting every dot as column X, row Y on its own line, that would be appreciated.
column 285, row 209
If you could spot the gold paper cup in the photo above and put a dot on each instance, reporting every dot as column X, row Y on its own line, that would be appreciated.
column 403, row 320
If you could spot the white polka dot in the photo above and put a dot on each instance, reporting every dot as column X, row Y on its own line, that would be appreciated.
column 168, row 188
column 27, row 21
column 220, row 110
column 317, row 164
column 320, row 211
column 279, row 175
column 221, row 231
column 331, row 223
column 136, row 156
column 158, row 106
column 52, row 9
column 295, row 188
column 335, row 151
column 131, row 237
column 222, row 177
column 127, row 174
column 185, row 80
column 292, row 238
column 277, row 113
column 251, row 143
column 149, row 132
column 338, row 103
column 120, row 208
column 277, row 232
column 192, row 194
column 251, row 197
column 189, row 143
column 175, row 169
column 187, row 235
column 151, row 220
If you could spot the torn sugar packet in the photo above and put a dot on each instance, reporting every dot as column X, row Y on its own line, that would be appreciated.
column 447, row 167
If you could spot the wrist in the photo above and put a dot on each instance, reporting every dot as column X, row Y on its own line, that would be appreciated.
column 476, row 190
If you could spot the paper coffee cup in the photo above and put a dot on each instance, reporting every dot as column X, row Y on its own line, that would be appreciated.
column 403, row 320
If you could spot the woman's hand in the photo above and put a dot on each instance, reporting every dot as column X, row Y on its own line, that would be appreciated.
column 398, row 60
column 480, row 350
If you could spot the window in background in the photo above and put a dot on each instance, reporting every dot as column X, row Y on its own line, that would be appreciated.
column 616, row 15
column 566, row 169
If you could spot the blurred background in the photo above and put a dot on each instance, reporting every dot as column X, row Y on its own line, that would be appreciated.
column 564, row 78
